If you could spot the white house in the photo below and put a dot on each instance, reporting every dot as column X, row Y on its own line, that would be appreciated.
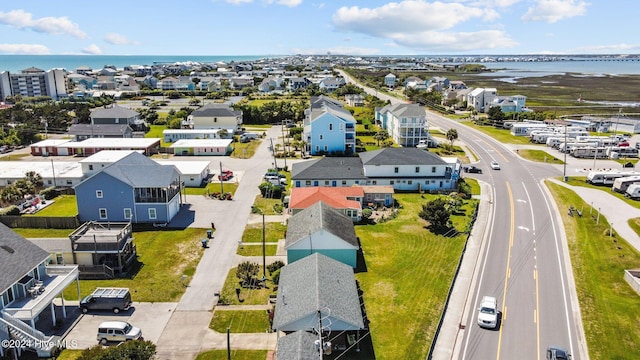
column 216, row 116
column 207, row 147
column 481, row 98
column 405, row 123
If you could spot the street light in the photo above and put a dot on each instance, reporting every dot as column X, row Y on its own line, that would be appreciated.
column 564, row 171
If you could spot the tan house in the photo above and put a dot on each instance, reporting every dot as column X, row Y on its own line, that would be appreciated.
column 216, row 116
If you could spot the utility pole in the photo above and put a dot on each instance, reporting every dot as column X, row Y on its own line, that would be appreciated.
column 221, row 180
column 564, row 171
column 284, row 146
column 273, row 151
column 264, row 259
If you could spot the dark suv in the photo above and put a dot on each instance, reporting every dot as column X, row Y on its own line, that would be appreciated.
column 472, row 169
column 557, row 353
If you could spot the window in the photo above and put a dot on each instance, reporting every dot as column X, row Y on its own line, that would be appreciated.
column 326, row 148
column 49, row 182
column 152, row 213
column 69, row 182
column 127, row 213
column 59, row 259
column 433, row 169
column 103, row 213
column 410, row 182
column 326, row 183
column 391, row 182
column 330, row 127
column 99, row 194
column 215, row 119
column 321, row 137
column 90, row 167
column 307, row 183
column 344, row 182
column 396, row 169
column 417, row 169
column 317, row 148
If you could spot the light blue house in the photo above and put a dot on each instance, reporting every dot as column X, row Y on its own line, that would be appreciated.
column 390, row 80
column 135, row 189
column 321, row 229
column 329, row 128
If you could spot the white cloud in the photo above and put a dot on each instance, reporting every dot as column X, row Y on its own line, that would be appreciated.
column 48, row 25
column 27, row 49
column 608, row 49
column 236, row 2
column 318, row 6
column 552, row 11
column 92, row 49
column 117, row 39
column 456, row 41
column 407, row 17
column 289, row 3
column 338, row 50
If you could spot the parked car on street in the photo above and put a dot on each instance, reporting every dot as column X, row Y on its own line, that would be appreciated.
column 472, row 169
column 225, row 175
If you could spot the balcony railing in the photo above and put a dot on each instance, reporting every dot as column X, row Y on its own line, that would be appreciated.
column 58, row 277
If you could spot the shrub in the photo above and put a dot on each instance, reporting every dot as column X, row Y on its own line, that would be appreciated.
column 275, row 266
column 275, row 277
column 49, row 193
column 11, row 210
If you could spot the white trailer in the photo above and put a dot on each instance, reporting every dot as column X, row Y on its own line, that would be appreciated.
column 607, row 177
column 633, row 191
column 622, row 184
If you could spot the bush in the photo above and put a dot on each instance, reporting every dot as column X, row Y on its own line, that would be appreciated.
column 11, row 210
column 275, row 277
column 275, row 266
column 49, row 193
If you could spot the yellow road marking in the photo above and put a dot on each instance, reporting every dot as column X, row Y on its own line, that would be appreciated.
column 508, row 271
column 496, row 150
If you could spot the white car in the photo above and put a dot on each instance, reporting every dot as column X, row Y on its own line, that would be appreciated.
column 495, row 165
column 488, row 313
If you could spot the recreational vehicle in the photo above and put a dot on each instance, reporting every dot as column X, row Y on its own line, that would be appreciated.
column 633, row 191
column 607, row 177
column 622, row 184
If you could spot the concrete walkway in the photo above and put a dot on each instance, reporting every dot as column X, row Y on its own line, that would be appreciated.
column 187, row 332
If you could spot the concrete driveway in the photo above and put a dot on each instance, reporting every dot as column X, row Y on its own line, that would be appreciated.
column 151, row 318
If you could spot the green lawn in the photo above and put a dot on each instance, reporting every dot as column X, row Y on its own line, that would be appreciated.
column 256, row 250
column 408, row 274
column 539, row 156
column 43, row 233
column 635, row 225
column 155, row 131
column 69, row 354
column 274, row 231
column 257, row 296
column 240, row 321
column 13, row 157
column 164, row 257
column 475, row 186
column 63, row 205
column 609, row 306
column 267, row 206
column 245, row 150
column 213, row 187
column 235, row 355
column 502, row 135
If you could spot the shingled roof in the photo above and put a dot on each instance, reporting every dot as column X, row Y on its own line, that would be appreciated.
column 299, row 345
column 317, row 283
column 400, row 156
column 214, row 110
column 343, row 168
column 320, row 216
column 18, row 256
column 113, row 112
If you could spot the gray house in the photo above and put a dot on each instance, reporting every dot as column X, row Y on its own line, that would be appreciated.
column 328, row 171
column 317, row 287
column 299, row 345
column 135, row 189
column 321, row 229
column 85, row 131
column 114, row 114
column 28, row 287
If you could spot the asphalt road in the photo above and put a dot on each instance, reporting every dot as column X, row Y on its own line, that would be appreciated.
column 523, row 261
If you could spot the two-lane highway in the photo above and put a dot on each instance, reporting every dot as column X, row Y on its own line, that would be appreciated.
column 523, row 264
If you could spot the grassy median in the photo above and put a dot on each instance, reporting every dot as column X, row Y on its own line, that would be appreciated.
column 610, row 308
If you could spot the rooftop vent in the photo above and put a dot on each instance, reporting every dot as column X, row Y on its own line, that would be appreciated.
column 7, row 248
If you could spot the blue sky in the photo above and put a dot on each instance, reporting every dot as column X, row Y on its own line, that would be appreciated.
column 352, row 27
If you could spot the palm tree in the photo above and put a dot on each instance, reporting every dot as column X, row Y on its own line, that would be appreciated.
column 452, row 135
column 381, row 136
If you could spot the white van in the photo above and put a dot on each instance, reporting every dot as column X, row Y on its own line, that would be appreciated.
column 117, row 331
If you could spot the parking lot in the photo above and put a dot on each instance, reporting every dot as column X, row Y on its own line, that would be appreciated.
column 151, row 318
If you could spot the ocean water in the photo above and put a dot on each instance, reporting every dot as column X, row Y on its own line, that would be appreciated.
column 592, row 67
column 16, row 63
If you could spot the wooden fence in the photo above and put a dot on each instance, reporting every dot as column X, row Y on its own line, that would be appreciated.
column 41, row 222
